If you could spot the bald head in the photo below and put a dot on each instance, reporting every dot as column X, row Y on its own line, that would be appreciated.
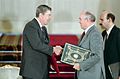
column 109, row 15
column 107, row 19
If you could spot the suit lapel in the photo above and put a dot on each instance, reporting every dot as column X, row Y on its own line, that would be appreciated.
column 44, row 38
column 36, row 25
column 112, row 33
column 45, row 34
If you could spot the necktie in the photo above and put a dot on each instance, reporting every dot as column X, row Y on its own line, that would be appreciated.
column 43, row 28
column 44, row 32
column 83, row 34
column 105, row 38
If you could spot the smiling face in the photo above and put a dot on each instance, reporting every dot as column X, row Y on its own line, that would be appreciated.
column 43, row 13
column 45, row 18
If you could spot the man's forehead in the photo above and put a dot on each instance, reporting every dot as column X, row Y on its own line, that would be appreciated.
column 103, row 14
column 48, row 12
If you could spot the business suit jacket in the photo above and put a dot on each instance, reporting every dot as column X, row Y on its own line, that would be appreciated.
column 112, row 47
column 93, row 67
column 35, row 52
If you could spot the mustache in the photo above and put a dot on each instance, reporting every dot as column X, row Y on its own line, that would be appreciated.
column 100, row 24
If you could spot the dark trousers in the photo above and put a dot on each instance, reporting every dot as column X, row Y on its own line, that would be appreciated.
column 26, row 78
column 45, row 77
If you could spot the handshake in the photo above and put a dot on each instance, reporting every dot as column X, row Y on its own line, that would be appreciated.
column 57, row 50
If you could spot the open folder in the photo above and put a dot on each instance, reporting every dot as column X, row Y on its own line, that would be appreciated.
column 73, row 54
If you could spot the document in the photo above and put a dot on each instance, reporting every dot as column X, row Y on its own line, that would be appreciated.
column 73, row 54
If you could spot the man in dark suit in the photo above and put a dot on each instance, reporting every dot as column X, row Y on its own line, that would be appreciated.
column 119, row 73
column 93, row 67
column 36, row 49
column 111, row 36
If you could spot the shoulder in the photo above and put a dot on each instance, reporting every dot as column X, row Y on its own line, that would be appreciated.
column 115, row 31
column 95, row 38
column 32, row 24
column 118, row 29
column 95, row 31
column 96, row 34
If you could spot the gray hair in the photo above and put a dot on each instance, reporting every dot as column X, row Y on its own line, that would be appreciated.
column 90, row 16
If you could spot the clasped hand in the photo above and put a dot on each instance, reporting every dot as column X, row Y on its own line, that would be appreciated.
column 57, row 50
column 76, row 66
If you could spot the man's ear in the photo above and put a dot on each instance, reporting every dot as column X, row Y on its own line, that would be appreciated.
column 40, row 14
column 108, row 20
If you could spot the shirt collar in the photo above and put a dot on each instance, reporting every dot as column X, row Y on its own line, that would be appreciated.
column 38, row 22
column 88, row 28
column 109, row 30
